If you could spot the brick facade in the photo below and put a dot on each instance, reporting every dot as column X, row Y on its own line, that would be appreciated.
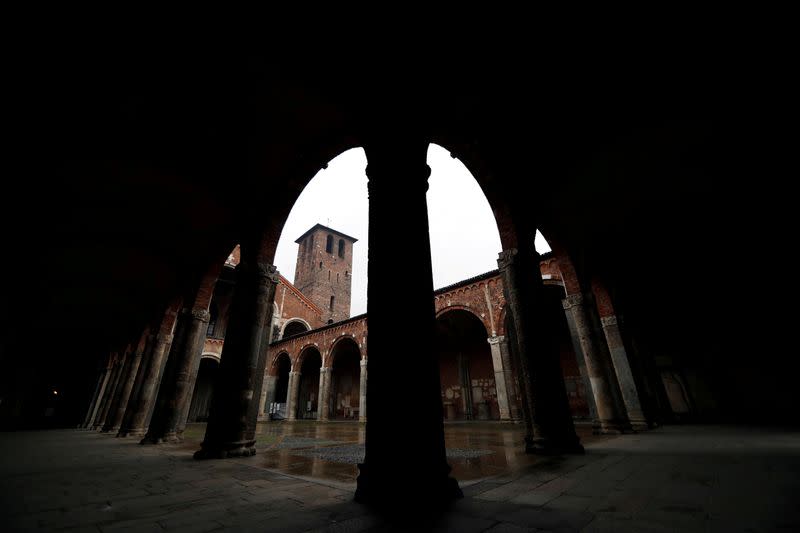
column 308, row 304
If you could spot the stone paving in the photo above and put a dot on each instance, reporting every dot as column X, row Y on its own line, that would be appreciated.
column 690, row 478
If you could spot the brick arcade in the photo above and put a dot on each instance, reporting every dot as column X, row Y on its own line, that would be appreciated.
column 317, row 360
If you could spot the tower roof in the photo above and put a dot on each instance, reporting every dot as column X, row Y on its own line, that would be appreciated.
column 326, row 228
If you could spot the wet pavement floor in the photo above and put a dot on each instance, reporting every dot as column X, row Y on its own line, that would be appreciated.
column 330, row 451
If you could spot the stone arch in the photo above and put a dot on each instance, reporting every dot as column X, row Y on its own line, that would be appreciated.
column 343, row 401
column 273, row 367
column 328, row 363
column 278, row 377
column 309, row 364
column 302, row 352
column 467, row 374
column 468, row 309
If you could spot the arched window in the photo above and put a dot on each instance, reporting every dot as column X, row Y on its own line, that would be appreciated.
column 320, row 265
column 329, row 275
column 341, row 248
column 329, row 244
column 337, row 277
column 331, row 303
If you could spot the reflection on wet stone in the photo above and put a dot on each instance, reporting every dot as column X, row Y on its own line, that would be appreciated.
column 331, row 450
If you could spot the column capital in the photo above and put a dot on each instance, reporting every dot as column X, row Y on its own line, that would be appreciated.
column 506, row 258
column 201, row 315
column 572, row 300
column 608, row 320
column 512, row 256
column 497, row 339
column 264, row 272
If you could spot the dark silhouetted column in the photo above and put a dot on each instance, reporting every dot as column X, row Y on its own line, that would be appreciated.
column 401, row 465
column 98, row 393
column 234, row 405
column 138, row 382
column 128, row 382
column 110, row 392
column 546, row 411
column 176, row 385
column 151, row 369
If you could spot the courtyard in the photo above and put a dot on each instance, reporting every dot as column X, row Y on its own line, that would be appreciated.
column 676, row 478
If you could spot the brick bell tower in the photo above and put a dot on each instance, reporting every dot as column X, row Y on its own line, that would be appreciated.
column 325, row 269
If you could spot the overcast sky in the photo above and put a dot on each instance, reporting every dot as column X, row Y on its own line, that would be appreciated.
column 464, row 237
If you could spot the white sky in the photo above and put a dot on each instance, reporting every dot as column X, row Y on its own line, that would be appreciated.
column 464, row 237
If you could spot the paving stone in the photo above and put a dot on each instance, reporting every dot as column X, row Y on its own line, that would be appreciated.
column 703, row 479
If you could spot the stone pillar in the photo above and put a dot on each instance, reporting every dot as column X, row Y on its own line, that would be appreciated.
column 548, row 421
column 142, row 405
column 291, row 396
column 169, row 415
column 362, row 392
column 512, row 387
column 267, row 397
column 234, row 408
column 122, row 379
column 627, row 385
column 324, row 402
column 500, row 377
column 127, row 383
column 147, row 350
column 98, row 393
column 111, row 390
column 611, row 420
column 392, row 471
column 579, row 359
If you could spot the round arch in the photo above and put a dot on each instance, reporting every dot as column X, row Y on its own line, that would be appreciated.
column 310, row 362
column 277, row 400
column 467, row 309
column 465, row 367
column 295, row 326
column 310, row 347
column 273, row 366
column 344, row 396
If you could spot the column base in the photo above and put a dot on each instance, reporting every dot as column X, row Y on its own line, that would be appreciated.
column 226, row 450
column 140, row 432
column 544, row 446
column 389, row 489
column 168, row 438
column 640, row 424
column 612, row 427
